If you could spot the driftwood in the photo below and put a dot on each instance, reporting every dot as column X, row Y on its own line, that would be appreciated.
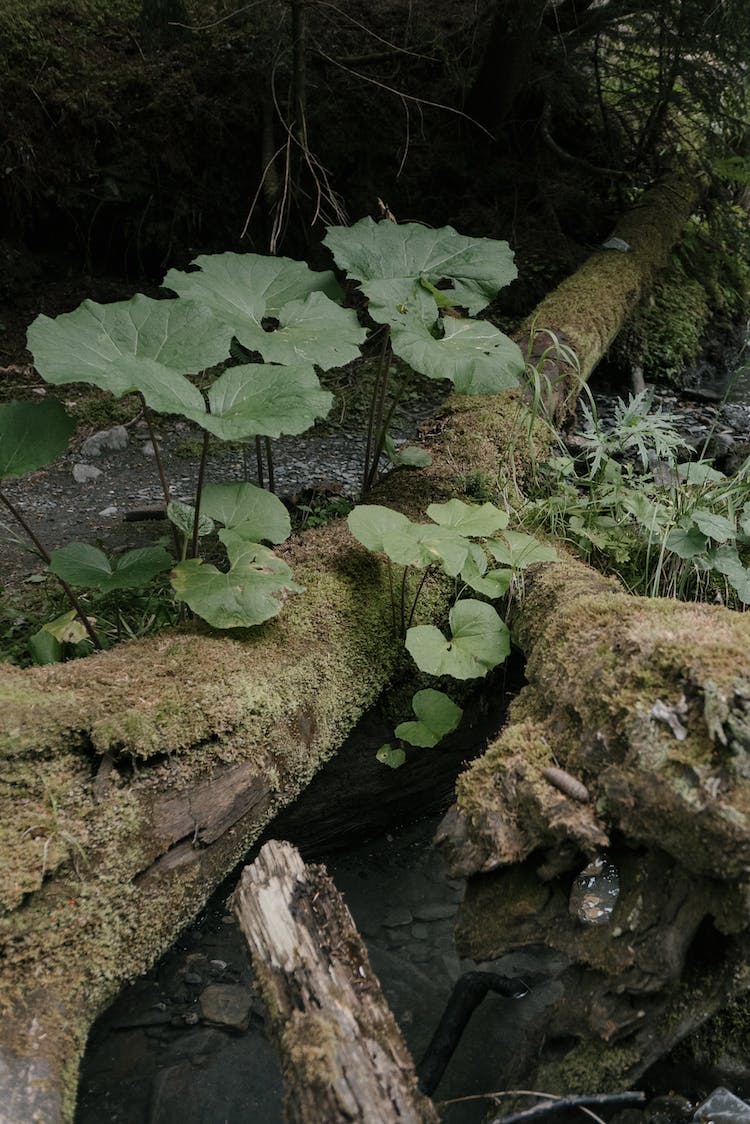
column 342, row 1053
column 132, row 782
column 646, row 703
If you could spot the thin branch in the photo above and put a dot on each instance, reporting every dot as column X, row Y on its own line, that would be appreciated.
column 369, row 31
column 402, row 94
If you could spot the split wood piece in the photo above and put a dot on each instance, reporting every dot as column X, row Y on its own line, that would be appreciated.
column 343, row 1056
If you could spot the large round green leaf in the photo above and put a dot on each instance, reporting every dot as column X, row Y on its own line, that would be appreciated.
column 425, row 544
column 479, row 641
column 88, row 345
column 369, row 523
column 256, row 399
column 238, row 599
column 250, row 291
column 519, row 550
column 81, row 564
column 468, row 518
column 32, row 434
column 260, row 514
column 477, row 357
column 476, row 267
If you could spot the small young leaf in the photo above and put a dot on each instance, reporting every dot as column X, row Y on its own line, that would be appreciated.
column 370, row 522
column 32, row 434
column 479, row 641
column 496, row 583
column 437, row 715
column 468, row 519
column 261, row 514
column 183, row 517
column 520, row 550
column 66, row 629
column 387, row 755
column 408, row 456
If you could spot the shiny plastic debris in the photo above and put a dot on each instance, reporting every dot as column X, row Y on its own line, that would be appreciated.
column 594, row 894
column 722, row 1107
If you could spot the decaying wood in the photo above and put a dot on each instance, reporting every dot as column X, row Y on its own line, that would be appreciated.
column 669, row 810
column 342, row 1053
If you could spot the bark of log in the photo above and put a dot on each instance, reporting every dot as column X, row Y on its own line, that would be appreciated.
column 587, row 310
column 647, row 703
column 132, row 782
column 342, row 1053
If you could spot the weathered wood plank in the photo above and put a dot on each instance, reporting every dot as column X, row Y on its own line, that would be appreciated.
column 343, row 1056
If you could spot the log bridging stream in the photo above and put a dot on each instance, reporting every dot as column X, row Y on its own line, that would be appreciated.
column 134, row 781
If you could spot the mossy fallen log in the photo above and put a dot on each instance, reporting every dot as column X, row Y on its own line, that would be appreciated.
column 646, row 704
column 132, row 782
column 587, row 310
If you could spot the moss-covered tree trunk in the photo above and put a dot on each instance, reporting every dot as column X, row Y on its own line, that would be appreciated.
column 587, row 310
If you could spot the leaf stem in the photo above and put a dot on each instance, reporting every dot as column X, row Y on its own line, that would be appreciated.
column 198, row 493
column 44, row 553
column 376, row 403
column 259, row 460
column 422, row 580
column 159, row 467
column 269, row 465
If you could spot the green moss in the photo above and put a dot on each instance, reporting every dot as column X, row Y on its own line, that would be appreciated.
column 668, row 329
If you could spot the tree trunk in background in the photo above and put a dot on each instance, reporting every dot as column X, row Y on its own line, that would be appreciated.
column 506, row 63
column 342, row 1054
column 587, row 310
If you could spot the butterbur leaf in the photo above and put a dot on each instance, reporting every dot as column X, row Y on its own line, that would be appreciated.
column 477, row 268
column 468, row 519
column 261, row 514
column 44, row 648
column 66, row 629
column 520, row 550
column 477, row 357
column 240, row 598
column 94, row 343
column 479, row 641
column 276, row 306
column 32, row 434
column 437, row 715
column 81, row 564
column 369, row 523
column 183, row 517
column 425, row 544
column 496, row 583
column 698, row 472
column 387, row 755
column 256, row 399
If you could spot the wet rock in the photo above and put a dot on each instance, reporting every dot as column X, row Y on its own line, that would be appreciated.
column 106, row 439
column 398, row 916
column 594, row 893
column 435, row 911
column 173, row 1096
column 226, row 1005
column 84, row 473
column 722, row 1107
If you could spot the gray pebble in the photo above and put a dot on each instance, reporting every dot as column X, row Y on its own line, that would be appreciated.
column 434, row 911
column 83, row 473
column 398, row 916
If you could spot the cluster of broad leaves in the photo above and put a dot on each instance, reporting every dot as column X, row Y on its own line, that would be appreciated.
column 684, row 533
column 477, row 639
column 292, row 318
column 415, row 279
